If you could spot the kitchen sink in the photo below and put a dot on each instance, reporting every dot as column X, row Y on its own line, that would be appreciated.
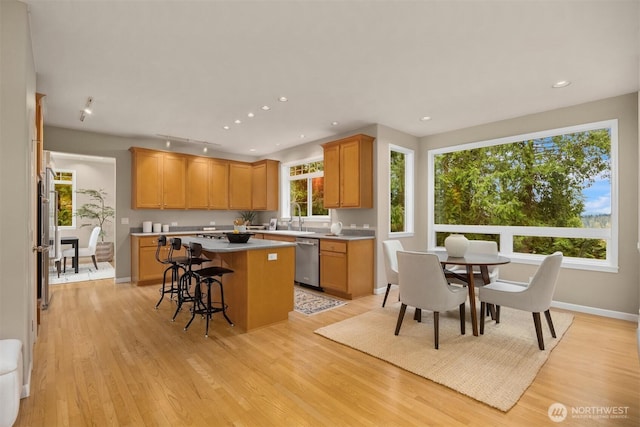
column 289, row 232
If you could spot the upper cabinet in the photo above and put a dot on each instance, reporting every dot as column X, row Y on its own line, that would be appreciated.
column 218, row 184
column 348, row 172
column 240, row 186
column 158, row 179
column 198, row 182
column 165, row 180
column 264, row 185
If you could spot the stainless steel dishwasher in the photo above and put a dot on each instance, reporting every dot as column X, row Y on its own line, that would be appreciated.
column 308, row 261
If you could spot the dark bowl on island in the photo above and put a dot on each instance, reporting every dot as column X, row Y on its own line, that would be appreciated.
column 239, row 237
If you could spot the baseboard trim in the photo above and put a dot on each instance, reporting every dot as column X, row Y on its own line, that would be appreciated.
column 595, row 311
column 123, row 279
column 26, row 385
column 578, row 308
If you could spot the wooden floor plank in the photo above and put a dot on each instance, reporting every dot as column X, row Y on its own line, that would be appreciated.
column 104, row 356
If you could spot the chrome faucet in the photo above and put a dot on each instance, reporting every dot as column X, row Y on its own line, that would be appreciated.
column 293, row 210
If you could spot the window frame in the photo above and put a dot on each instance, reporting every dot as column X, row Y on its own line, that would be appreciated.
column 610, row 264
column 409, row 191
column 285, row 193
column 73, row 225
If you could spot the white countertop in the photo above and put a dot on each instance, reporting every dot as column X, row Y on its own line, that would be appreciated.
column 220, row 245
column 292, row 233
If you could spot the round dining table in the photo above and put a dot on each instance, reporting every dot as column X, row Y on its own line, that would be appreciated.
column 471, row 260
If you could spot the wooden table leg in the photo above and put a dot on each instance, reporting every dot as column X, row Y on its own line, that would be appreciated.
column 472, row 300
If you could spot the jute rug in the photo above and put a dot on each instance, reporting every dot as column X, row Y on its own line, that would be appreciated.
column 308, row 302
column 495, row 368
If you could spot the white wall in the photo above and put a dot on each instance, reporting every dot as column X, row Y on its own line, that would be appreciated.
column 17, row 188
column 387, row 136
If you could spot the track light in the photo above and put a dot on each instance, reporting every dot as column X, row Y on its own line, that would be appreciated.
column 86, row 111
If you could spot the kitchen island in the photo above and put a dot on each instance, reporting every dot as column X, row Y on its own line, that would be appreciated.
column 260, row 290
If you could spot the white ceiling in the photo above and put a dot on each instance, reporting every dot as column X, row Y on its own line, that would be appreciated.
column 188, row 68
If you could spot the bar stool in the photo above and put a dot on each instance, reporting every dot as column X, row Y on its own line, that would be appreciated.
column 207, row 276
column 173, row 266
column 184, row 281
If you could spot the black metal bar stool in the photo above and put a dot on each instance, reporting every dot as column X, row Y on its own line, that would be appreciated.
column 184, row 282
column 207, row 276
column 173, row 266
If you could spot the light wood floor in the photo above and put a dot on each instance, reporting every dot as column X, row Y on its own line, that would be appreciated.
column 104, row 357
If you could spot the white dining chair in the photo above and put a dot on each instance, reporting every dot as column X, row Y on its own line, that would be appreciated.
column 534, row 296
column 423, row 286
column 390, row 248
column 89, row 251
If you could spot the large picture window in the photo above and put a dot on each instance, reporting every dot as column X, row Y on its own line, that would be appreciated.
column 534, row 194
column 400, row 188
column 304, row 185
column 64, row 183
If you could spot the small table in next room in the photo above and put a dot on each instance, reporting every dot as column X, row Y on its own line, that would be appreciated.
column 73, row 241
column 469, row 261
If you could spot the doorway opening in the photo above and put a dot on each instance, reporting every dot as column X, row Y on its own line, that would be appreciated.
column 85, row 198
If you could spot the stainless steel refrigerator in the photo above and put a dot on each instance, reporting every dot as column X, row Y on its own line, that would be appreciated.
column 47, row 233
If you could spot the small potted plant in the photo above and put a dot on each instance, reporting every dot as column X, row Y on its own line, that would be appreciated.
column 248, row 216
column 99, row 213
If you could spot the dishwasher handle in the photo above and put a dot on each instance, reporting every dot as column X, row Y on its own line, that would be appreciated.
column 302, row 242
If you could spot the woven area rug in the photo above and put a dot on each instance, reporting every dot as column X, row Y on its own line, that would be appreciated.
column 495, row 368
column 307, row 302
column 86, row 271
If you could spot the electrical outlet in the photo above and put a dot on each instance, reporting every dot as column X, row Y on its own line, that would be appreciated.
column 174, row 224
column 272, row 257
column 124, row 220
column 212, row 223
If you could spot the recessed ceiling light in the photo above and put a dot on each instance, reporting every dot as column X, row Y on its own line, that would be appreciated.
column 250, row 115
column 302, row 135
column 425, row 118
column 283, row 99
column 561, row 83
column 205, row 149
column 265, row 107
column 225, row 127
column 334, row 123
column 252, row 149
column 168, row 144
column 237, row 121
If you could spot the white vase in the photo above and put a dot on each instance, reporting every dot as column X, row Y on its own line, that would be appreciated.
column 456, row 245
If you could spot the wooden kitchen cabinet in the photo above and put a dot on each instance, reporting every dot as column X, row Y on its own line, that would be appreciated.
column 240, row 186
column 346, row 267
column 165, row 180
column 145, row 269
column 158, row 179
column 218, row 184
column 264, row 185
column 198, row 183
column 40, row 166
column 207, row 183
column 348, row 172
